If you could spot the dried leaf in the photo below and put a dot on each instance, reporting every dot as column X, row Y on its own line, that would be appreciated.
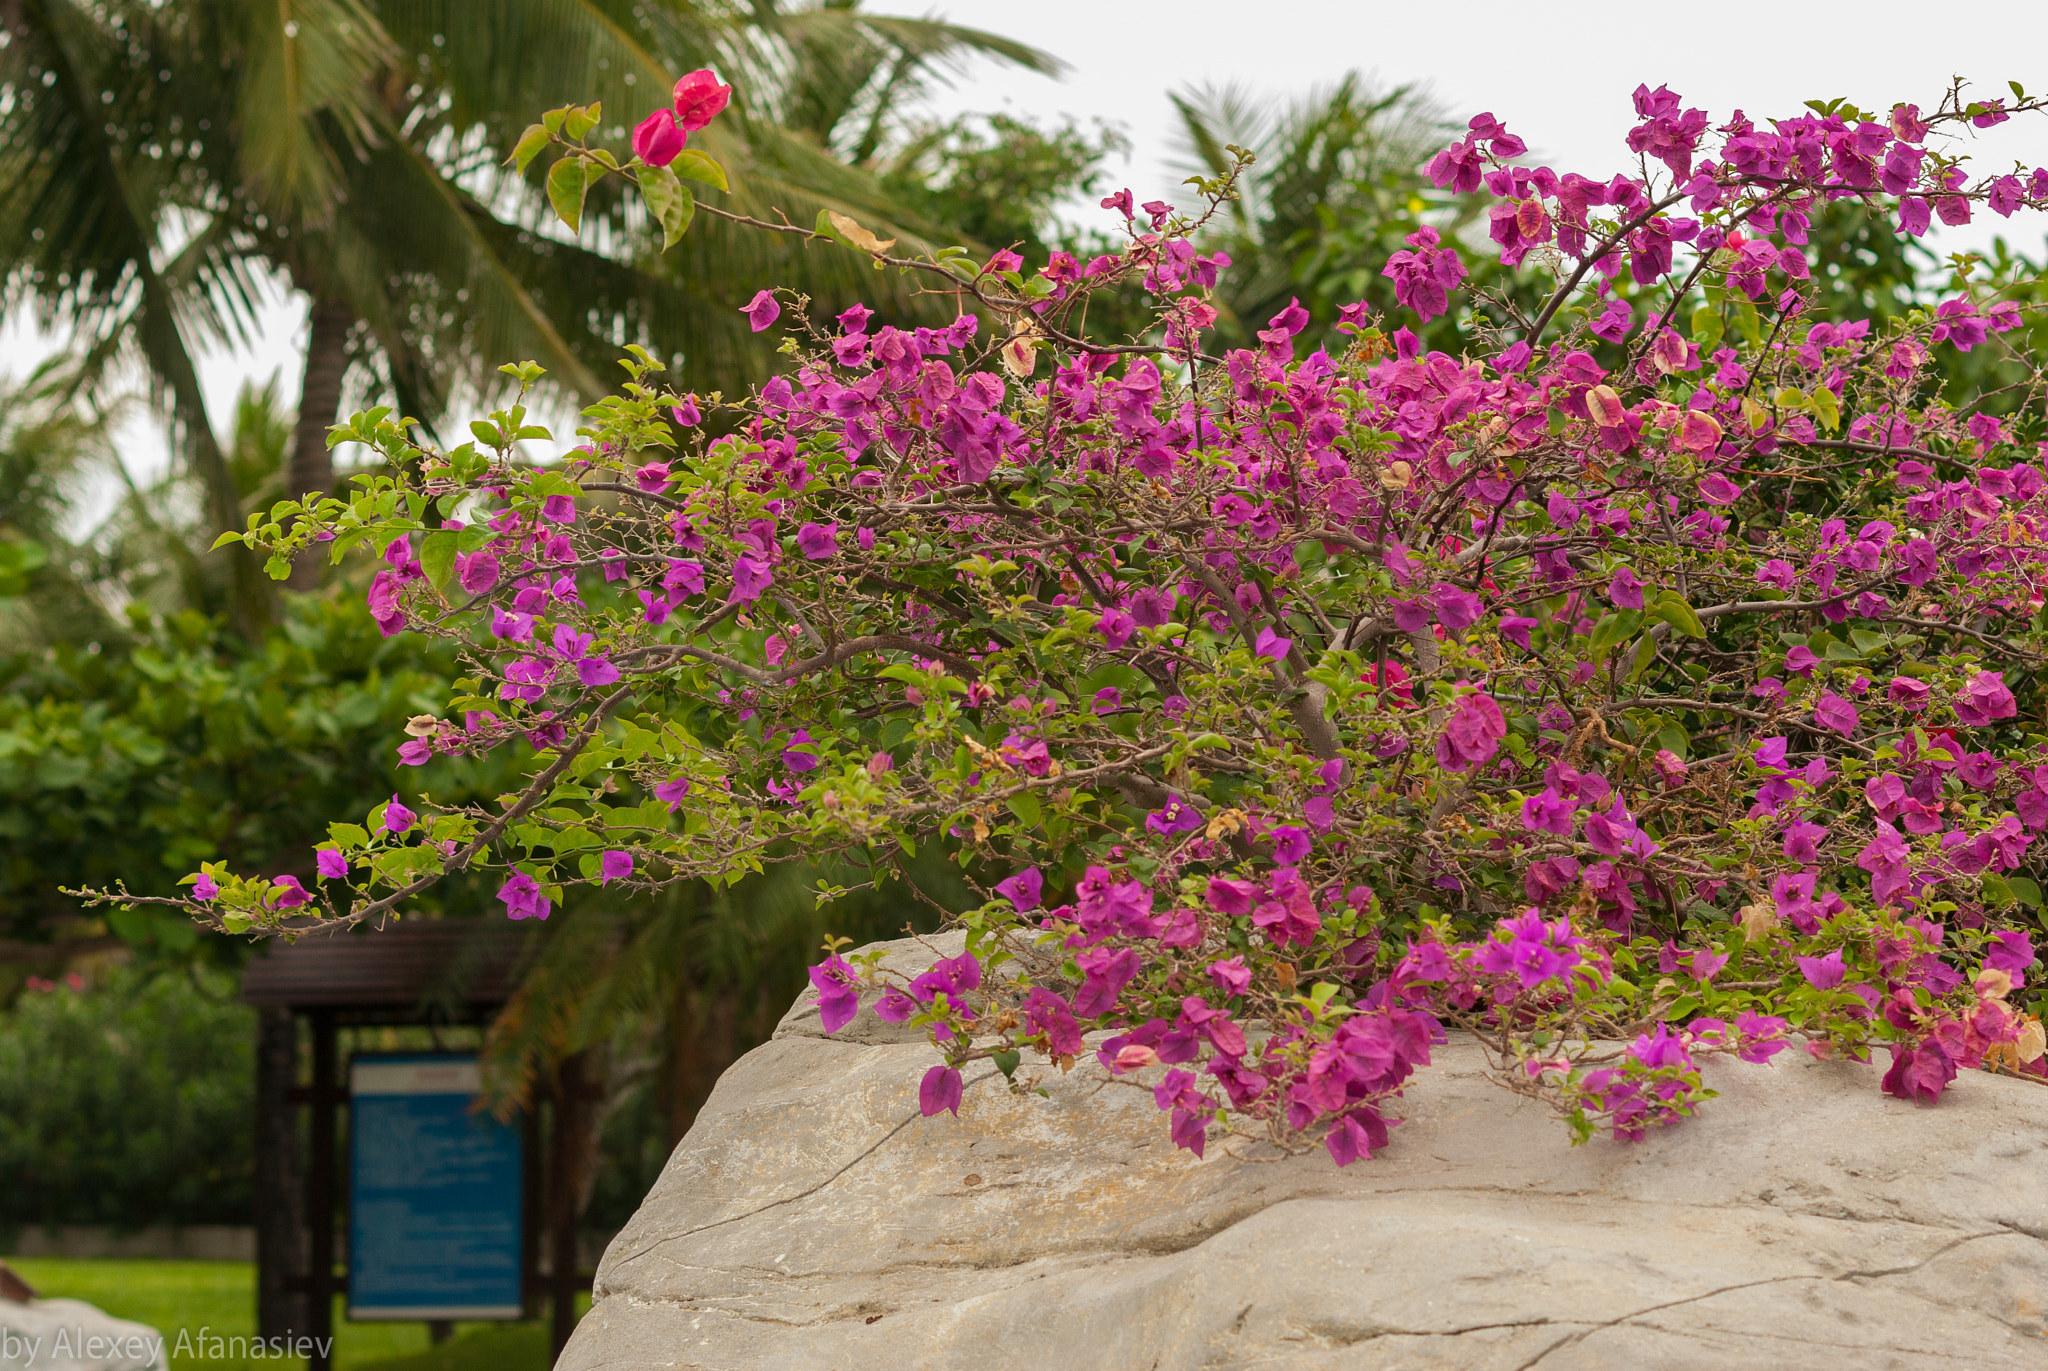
column 1020, row 356
column 2033, row 1043
column 1759, row 919
column 850, row 231
column 1228, row 821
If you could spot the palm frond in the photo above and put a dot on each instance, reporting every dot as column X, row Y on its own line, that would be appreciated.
column 303, row 96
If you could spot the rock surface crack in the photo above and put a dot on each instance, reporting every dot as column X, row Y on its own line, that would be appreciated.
column 1907, row 1270
column 862, row 1156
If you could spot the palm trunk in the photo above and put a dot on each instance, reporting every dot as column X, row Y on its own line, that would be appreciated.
column 156, row 320
column 701, row 1045
column 312, row 464
column 249, row 592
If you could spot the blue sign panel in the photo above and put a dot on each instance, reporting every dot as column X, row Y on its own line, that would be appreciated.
column 434, row 1194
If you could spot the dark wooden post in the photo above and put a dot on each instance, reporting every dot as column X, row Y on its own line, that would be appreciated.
column 565, row 1189
column 533, row 1196
column 321, row 1192
column 280, row 1178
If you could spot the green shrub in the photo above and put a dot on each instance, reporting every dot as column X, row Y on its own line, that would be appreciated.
column 127, row 1102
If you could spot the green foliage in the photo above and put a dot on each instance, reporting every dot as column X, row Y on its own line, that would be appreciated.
column 220, row 1297
column 128, row 1103
column 1336, row 186
column 159, row 161
column 137, row 765
column 678, row 985
column 997, row 179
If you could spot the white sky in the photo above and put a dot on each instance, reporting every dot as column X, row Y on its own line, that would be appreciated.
column 1558, row 76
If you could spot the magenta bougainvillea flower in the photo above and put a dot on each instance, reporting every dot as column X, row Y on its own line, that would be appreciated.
column 523, row 898
column 762, row 311
column 939, row 1091
column 1646, row 660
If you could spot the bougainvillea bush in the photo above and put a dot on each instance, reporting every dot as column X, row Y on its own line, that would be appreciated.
column 1652, row 680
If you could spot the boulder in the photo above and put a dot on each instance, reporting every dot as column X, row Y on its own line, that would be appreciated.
column 813, row 1219
column 71, row 1335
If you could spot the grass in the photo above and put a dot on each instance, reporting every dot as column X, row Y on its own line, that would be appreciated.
column 176, row 1297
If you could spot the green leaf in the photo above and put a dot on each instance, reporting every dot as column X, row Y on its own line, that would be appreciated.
column 1612, row 628
column 2028, row 892
column 1646, row 652
column 530, row 143
column 1027, row 809
column 567, row 184
column 1605, row 632
column 1827, row 407
column 229, row 537
column 700, row 166
column 1673, row 610
column 1006, row 1062
column 552, row 120
column 437, row 555
column 581, row 121
column 1124, row 678
column 1707, row 327
column 1998, row 892
column 1747, row 324
column 669, row 202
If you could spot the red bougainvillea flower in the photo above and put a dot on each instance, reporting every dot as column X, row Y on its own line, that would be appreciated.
column 699, row 99
column 658, row 140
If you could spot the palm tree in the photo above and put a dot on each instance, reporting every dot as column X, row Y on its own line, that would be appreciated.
column 1336, row 185
column 72, row 566
column 49, row 453
column 159, row 163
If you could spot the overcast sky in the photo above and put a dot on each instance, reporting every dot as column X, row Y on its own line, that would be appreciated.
column 1558, row 76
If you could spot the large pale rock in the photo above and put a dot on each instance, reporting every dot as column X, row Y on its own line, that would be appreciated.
column 812, row 1219
column 70, row 1335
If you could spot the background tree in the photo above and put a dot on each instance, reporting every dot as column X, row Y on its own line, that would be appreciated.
column 50, row 451
column 1000, row 180
column 128, row 1100
column 350, row 148
column 1336, row 186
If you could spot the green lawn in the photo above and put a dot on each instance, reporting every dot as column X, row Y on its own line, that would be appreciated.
column 220, row 1298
